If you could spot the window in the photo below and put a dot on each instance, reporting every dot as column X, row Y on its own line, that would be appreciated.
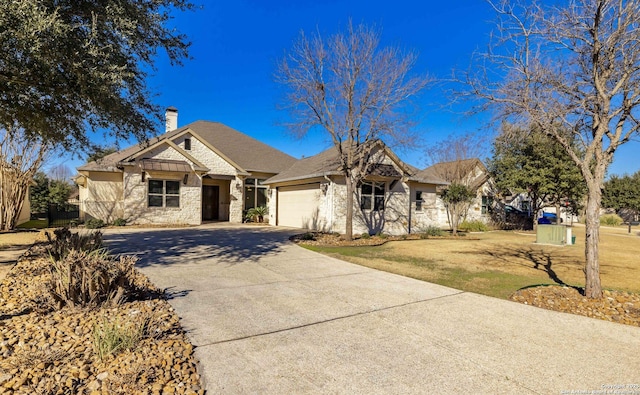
column 418, row 200
column 187, row 144
column 372, row 196
column 164, row 193
column 255, row 194
column 487, row 204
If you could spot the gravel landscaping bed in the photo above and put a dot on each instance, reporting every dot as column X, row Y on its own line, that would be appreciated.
column 615, row 306
column 49, row 351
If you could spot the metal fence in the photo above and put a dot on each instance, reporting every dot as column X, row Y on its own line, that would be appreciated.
column 56, row 216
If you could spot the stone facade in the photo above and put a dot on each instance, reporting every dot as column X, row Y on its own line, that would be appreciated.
column 112, row 195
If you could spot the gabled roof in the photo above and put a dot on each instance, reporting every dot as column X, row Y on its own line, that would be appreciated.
column 327, row 163
column 246, row 152
column 443, row 173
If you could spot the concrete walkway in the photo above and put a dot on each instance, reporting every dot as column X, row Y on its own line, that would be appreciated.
column 267, row 316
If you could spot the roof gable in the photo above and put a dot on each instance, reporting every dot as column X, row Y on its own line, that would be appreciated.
column 328, row 163
column 446, row 172
column 240, row 150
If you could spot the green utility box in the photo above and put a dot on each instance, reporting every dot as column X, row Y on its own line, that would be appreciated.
column 551, row 234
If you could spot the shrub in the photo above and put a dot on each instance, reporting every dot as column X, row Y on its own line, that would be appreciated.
column 383, row 236
column 308, row 236
column 611, row 220
column 431, row 231
column 93, row 278
column 94, row 223
column 473, row 226
column 120, row 222
column 66, row 241
column 365, row 236
column 257, row 214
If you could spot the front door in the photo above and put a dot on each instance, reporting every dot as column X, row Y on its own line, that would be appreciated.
column 210, row 196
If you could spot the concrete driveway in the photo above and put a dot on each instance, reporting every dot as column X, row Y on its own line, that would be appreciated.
column 267, row 316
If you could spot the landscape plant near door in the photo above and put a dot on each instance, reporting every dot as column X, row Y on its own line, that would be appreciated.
column 257, row 214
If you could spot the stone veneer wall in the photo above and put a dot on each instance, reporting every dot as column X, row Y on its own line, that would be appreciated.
column 236, row 203
column 138, row 212
column 433, row 212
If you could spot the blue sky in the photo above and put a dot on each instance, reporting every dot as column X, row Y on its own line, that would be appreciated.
column 237, row 43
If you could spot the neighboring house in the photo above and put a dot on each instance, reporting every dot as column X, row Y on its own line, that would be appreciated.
column 471, row 172
column 25, row 211
column 204, row 171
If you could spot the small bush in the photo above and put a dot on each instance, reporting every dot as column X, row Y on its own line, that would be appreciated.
column 112, row 337
column 431, row 231
column 308, row 236
column 94, row 223
column 82, row 279
column 611, row 220
column 257, row 214
column 365, row 236
column 473, row 226
column 383, row 236
column 120, row 222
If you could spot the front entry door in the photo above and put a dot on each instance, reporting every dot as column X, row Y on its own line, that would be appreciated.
column 210, row 196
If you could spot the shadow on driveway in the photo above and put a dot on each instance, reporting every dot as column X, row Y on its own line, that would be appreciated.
column 175, row 246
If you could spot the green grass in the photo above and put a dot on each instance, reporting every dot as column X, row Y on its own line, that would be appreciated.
column 34, row 224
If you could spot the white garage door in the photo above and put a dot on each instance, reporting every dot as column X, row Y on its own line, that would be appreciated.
column 298, row 206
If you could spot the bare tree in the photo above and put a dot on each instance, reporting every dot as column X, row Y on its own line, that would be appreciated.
column 354, row 90
column 60, row 172
column 576, row 66
column 20, row 158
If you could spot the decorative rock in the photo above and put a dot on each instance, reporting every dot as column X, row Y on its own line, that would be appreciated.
column 59, row 344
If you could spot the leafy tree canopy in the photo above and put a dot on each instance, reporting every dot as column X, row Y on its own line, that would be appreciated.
column 536, row 164
column 98, row 153
column 622, row 192
column 67, row 67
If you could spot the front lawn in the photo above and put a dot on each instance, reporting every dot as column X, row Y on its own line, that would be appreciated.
column 499, row 263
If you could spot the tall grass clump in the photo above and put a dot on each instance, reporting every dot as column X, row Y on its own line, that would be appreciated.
column 611, row 220
column 111, row 337
column 91, row 279
column 65, row 241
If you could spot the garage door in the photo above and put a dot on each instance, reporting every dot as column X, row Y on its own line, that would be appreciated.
column 298, row 206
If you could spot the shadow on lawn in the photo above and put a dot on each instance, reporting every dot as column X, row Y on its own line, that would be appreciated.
column 530, row 258
column 190, row 245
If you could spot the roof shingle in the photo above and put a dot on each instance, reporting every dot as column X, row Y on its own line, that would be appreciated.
column 245, row 151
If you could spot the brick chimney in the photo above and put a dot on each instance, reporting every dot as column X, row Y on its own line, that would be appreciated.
column 171, row 116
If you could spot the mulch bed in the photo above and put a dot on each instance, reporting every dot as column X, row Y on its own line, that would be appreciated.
column 337, row 240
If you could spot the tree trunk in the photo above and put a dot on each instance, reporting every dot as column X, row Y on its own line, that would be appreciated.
column 349, row 219
column 593, row 288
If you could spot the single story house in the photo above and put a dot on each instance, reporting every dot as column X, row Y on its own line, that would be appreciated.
column 206, row 171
